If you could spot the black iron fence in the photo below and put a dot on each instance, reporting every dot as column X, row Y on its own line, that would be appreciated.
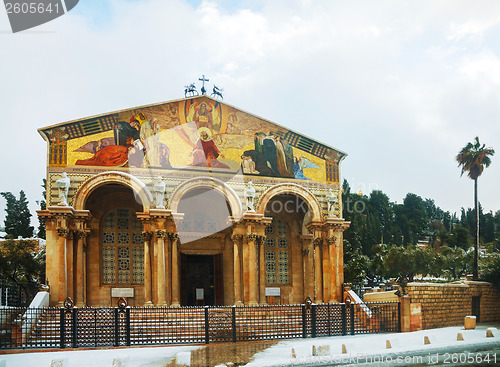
column 72, row 327
column 16, row 295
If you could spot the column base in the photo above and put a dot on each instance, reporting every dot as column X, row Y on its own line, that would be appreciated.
column 162, row 304
column 253, row 303
column 175, row 304
column 333, row 301
column 239, row 303
column 80, row 304
column 318, row 301
column 149, row 304
column 263, row 303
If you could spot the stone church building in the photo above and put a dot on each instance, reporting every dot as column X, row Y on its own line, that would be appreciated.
column 191, row 202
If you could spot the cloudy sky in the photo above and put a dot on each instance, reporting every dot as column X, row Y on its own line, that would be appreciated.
column 400, row 86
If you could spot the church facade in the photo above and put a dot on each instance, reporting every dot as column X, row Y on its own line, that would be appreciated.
column 191, row 202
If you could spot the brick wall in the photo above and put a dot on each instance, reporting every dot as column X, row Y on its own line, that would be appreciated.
column 448, row 304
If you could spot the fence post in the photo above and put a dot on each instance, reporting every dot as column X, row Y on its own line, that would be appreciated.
column 399, row 317
column 233, row 321
column 127, row 325
column 74, row 331
column 62, row 327
column 313, row 321
column 117, row 329
column 344, row 319
column 207, row 336
column 329, row 322
column 352, row 318
column 304, row 322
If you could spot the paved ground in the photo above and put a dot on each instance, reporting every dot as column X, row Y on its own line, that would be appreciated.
column 369, row 349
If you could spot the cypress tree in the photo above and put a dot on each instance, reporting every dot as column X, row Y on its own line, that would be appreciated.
column 17, row 221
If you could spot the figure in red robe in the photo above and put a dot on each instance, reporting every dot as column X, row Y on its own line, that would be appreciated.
column 115, row 155
column 205, row 152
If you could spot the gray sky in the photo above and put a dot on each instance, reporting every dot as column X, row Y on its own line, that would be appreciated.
column 400, row 86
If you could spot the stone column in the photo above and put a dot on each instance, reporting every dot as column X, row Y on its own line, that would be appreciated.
column 326, row 272
column 340, row 261
column 318, row 273
column 333, row 229
column 161, row 234
column 80, row 290
column 71, row 243
column 148, row 294
column 176, row 292
column 237, row 270
column 307, row 265
column 405, row 313
column 252, row 260
column 62, row 284
column 174, row 237
column 334, row 268
column 262, row 270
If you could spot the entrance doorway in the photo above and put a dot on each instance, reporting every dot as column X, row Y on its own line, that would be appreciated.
column 201, row 280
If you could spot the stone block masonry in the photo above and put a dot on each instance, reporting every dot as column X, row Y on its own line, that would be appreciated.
column 448, row 304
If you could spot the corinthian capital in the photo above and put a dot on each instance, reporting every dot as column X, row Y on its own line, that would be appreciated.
column 251, row 237
column 236, row 237
column 81, row 233
column 318, row 241
column 63, row 232
column 147, row 235
column 331, row 239
column 173, row 236
column 161, row 233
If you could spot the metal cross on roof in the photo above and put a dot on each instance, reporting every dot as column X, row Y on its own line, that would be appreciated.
column 203, row 80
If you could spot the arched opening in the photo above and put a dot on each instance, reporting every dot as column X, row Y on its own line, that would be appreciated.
column 207, row 183
column 202, row 236
column 295, row 190
column 283, row 247
column 205, row 211
column 141, row 192
column 115, row 250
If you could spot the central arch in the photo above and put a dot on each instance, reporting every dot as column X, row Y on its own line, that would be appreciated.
column 207, row 183
column 293, row 189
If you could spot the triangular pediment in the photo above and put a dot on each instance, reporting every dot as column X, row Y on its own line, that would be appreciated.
column 191, row 133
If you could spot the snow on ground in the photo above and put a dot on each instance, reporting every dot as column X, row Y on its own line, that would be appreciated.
column 360, row 349
column 365, row 348
column 128, row 357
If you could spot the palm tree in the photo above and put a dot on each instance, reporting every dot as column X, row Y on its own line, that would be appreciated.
column 473, row 158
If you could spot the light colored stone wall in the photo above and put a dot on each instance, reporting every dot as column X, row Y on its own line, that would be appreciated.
column 448, row 304
column 380, row 297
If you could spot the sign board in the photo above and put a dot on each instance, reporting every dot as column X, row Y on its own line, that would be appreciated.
column 200, row 295
column 273, row 291
column 122, row 292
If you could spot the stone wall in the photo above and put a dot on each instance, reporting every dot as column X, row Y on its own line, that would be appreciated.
column 448, row 304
